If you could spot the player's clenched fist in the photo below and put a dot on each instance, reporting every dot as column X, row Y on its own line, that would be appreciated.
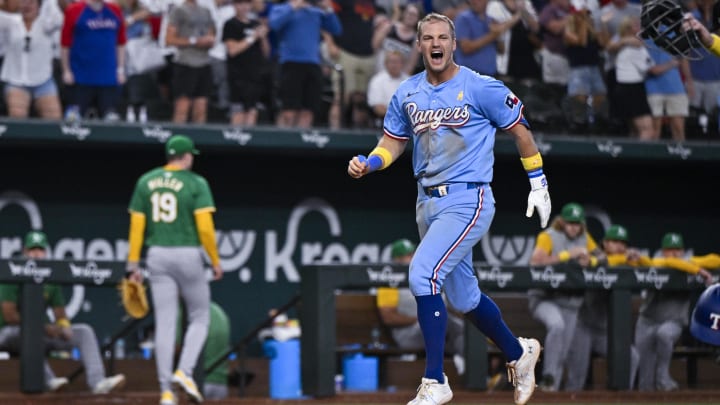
column 358, row 166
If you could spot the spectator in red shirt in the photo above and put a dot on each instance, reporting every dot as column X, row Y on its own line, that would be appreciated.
column 93, row 55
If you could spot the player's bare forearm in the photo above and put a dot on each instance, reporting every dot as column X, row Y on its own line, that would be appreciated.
column 524, row 140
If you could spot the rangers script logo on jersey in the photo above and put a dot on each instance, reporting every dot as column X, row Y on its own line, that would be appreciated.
column 424, row 119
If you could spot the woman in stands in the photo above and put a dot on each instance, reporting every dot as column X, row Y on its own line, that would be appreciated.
column 27, row 68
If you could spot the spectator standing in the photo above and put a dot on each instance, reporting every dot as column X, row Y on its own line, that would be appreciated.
column 477, row 36
column 60, row 332
column 224, row 10
column 352, row 49
column 567, row 239
column 298, row 25
column 667, row 91
column 664, row 314
column 384, row 83
column 608, row 20
column 140, row 86
column 399, row 36
column 93, row 55
column 248, row 50
column 553, row 20
column 27, row 70
column 591, row 330
column 191, row 28
column 518, row 47
column 586, row 86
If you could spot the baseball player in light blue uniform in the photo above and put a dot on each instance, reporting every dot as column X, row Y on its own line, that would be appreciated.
column 451, row 115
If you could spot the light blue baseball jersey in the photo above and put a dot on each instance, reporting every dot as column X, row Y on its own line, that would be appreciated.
column 452, row 125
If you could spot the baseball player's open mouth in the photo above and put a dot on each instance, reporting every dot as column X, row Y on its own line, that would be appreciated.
column 436, row 55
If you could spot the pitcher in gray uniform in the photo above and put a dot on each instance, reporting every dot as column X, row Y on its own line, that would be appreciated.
column 566, row 239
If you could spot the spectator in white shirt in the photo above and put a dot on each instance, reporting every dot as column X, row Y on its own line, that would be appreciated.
column 27, row 68
column 383, row 84
column 632, row 65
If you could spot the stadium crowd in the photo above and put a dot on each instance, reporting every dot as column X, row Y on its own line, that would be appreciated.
column 335, row 63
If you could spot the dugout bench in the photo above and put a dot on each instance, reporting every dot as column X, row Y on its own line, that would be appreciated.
column 318, row 316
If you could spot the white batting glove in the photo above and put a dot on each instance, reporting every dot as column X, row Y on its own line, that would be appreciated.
column 539, row 198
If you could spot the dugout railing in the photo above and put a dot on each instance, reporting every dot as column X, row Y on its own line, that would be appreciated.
column 317, row 313
column 319, row 284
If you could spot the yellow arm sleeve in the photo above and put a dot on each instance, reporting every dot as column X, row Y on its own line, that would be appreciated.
column 135, row 238
column 206, row 234
column 387, row 297
column 715, row 47
column 617, row 259
column 711, row 261
column 544, row 242
column 591, row 244
column 643, row 261
column 677, row 264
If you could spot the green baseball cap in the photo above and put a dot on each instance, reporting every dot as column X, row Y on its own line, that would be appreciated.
column 401, row 247
column 617, row 232
column 672, row 240
column 573, row 212
column 36, row 239
column 180, row 144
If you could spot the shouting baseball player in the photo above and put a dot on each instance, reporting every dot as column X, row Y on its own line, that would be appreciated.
column 451, row 115
column 171, row 209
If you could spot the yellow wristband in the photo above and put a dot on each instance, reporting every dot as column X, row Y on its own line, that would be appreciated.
column 533, row 162
column 564, row 256
column 715, row 47
column 63, row 323
column 384, row 154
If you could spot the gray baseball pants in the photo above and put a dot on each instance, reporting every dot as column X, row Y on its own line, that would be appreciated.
column 655, row 341
column 83, row 337
column 584, row 343
column 560, row 324
column 178, row 273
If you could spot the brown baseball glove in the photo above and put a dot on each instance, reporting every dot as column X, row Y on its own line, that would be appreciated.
column 134, row 298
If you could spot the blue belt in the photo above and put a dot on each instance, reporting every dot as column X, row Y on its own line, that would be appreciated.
column 442, row 190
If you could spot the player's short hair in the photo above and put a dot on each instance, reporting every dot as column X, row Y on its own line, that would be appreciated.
column 435, row 17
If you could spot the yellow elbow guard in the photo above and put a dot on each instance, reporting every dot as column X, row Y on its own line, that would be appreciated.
column 533, row 162
column 384, row 154
column 715, row 47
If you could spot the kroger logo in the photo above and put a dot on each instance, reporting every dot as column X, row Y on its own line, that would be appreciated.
column 316, row 138
column 90, row 271
column 75, row 130
column 30, row 269
column 157, row 132
column 607, row 280
column 496, row 275
column 548, row 275
column 651, row 277
column 387, row 276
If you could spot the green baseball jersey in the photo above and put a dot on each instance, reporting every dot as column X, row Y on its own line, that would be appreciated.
column 52, row 295
column 169, row 199
column 216, row 344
